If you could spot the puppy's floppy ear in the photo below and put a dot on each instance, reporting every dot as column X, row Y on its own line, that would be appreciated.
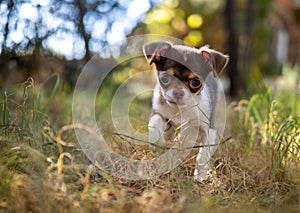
column 215, row 59
column 154, row 50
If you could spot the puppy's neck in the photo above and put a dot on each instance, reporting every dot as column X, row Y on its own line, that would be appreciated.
column 200, row 110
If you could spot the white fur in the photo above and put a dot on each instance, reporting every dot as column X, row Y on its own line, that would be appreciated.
column 171, row 111
column 202, row 161
column 156, row 129
column 178, row 107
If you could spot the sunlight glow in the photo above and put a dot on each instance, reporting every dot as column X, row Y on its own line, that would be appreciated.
column 42, row 3
column 137, row 8
column 57, row 28
column 17, row 36
column 27, row 11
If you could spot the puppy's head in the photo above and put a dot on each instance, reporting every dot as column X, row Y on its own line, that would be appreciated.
column 182, row 70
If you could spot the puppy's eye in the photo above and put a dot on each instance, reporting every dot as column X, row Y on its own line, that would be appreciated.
column 195, row 83
column 165, row 79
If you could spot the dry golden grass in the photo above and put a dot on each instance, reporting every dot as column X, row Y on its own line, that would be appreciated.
column 43, row 169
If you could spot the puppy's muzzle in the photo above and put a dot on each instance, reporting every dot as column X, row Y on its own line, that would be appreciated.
column 178, row 94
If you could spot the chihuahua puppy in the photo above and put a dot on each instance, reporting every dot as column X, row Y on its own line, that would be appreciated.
column 186, row 92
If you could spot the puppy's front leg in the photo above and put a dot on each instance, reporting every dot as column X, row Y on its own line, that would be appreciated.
column 156, row 129
column 204, row 155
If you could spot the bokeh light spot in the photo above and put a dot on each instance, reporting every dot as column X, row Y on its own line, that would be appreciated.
column 194, row 21
column 194, row 38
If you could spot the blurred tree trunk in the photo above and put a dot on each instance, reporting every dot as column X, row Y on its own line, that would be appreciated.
column 232, row 42
column 82, row 31
column 5, row 53
column 248, row 37
column 10, row 7
column 250, row 19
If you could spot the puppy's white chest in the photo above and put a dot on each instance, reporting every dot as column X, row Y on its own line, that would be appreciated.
column 196, row 113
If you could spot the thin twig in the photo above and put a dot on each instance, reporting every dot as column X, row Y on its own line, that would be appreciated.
column 172, row 148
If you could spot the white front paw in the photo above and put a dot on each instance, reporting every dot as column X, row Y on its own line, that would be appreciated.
column 202, row 173
column 155, row 136
column 156, row 129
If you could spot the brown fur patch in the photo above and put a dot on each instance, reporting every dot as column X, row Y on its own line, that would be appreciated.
column 181, row 73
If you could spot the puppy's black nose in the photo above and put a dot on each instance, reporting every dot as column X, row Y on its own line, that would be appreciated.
column 178, row 93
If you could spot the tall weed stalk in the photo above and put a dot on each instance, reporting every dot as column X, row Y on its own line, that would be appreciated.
column 266, row 122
